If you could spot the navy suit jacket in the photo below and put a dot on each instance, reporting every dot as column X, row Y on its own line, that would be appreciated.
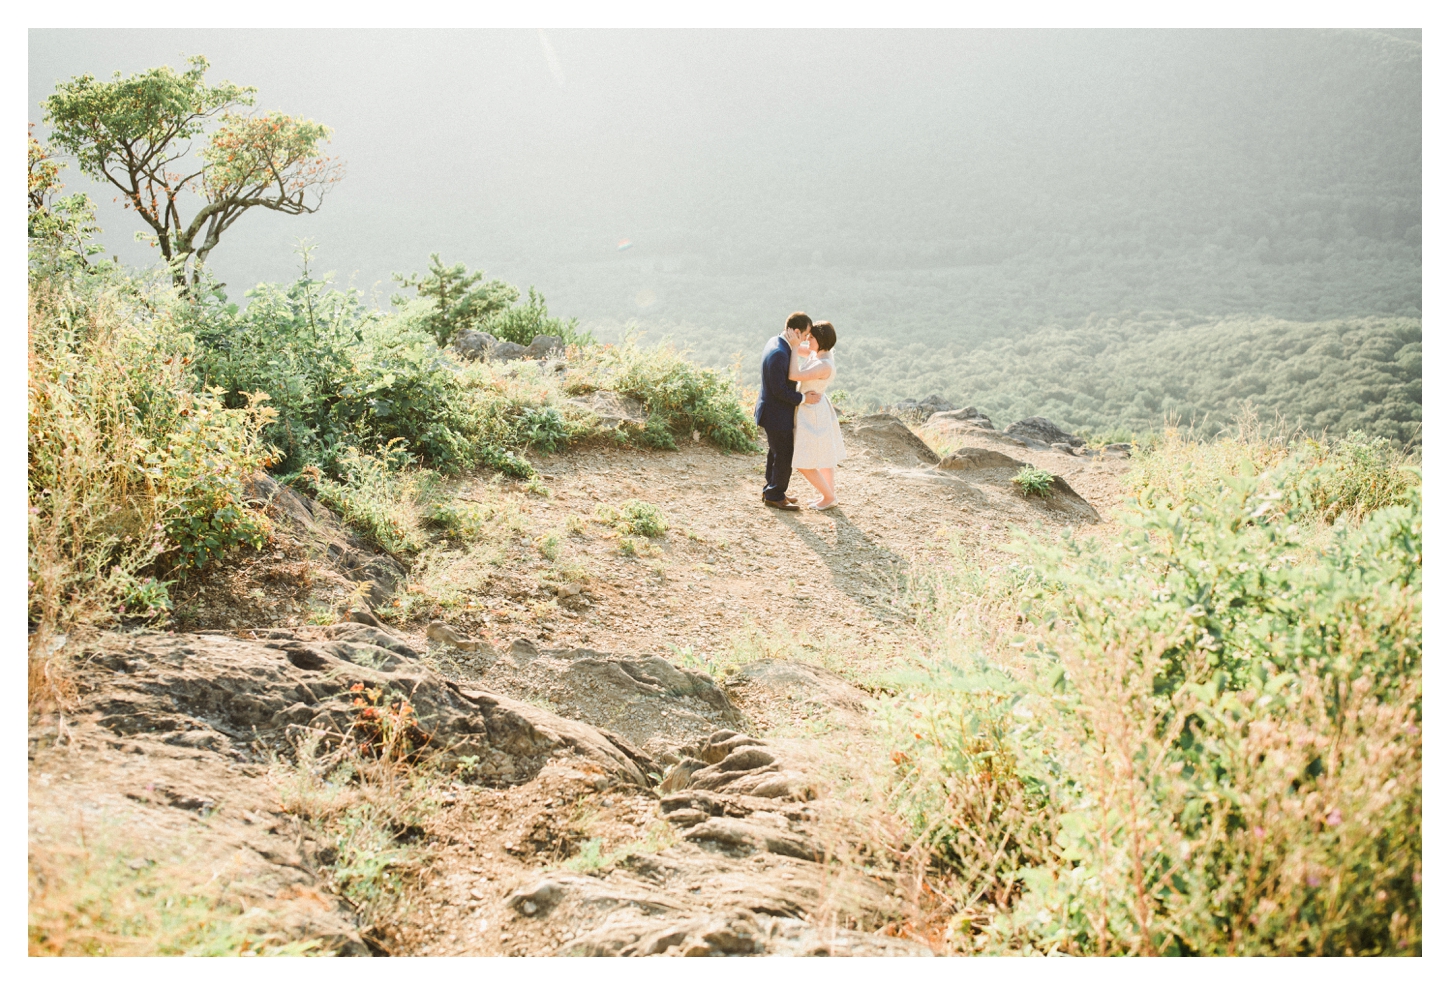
column 775, row 408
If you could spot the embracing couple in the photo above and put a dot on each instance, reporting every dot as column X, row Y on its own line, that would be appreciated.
column 800, row 423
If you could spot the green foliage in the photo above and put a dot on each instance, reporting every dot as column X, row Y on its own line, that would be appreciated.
column 682, row 396
column 61, row 231
column 1032, row 481
column 297, row 344
column 542, row 428
column 131, row 465
column 460, row 520
column 380, row 497
column 521, row 322
column 340, row 375
column 1212, row 745
column 199, row 475
column 459, row 301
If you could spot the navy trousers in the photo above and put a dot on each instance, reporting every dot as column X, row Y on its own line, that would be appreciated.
column 777, row 463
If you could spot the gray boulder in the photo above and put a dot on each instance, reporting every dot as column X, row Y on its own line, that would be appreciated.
column 974, row 459
column 886, row 437
column 473, row 345
column 964, row 417
column 542, row 346
column 1041, row 430
column 919, row 410
column 507, row 352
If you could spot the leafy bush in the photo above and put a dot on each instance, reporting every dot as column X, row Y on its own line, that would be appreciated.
column 1212, row 746
column 682, row 397
column 542, row 428
column 1032, row 481
column 199, row 475
column 521, row 322
column 338, row 375
column 131, row 466
column 459, row 301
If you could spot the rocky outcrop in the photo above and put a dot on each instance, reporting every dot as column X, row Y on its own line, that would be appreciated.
column 644, row 698
column 886, row 437
column 544, row 346
column 319, row 529
column 971, row 459
column 920, row 410
column 1041, row 433
column 474, row 345
column 968, row 417
column 225, row 694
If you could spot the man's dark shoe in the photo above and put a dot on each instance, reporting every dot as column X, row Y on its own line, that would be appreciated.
column 791, row 499
column 781, row 504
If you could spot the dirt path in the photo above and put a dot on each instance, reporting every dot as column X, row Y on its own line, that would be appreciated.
column 729, row 563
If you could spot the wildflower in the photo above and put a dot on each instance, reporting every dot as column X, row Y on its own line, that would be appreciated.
column 1334, row 818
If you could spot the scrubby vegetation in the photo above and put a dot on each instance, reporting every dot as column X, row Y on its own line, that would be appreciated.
column 1203, row 738
column 150, row 405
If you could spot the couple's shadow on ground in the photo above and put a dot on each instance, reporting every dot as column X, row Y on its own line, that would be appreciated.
column 863, row 569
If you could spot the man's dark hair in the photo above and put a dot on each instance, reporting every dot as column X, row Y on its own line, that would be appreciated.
column 800, row 321
column 825, row 335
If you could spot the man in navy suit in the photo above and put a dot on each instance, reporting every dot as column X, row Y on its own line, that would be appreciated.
column 775, row 410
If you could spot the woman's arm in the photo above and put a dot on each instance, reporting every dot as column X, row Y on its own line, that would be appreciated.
column 817, row 372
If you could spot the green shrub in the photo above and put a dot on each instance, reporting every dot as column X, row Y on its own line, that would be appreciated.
column 454, row 300
column 463, row 521
column 199, row 476
column 542, row 428
column 521, row 322
column 298, row 345
column 682, row 397
column 131, row 466
column 1032, row 481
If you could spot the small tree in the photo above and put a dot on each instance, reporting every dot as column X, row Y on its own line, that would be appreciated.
column 137, row 133
column 460, row 302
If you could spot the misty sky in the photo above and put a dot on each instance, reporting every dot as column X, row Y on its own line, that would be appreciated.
column 752, row 151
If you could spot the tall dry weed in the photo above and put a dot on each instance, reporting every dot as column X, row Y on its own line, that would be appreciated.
column 1203, row 738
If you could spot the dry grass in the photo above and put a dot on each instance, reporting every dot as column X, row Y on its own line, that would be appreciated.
column 1091, row 761
column 102, row 896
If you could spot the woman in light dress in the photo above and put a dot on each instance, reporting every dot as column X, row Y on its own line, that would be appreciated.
column 818, row 444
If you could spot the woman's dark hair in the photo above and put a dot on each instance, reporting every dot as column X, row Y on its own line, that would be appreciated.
column 825, row 335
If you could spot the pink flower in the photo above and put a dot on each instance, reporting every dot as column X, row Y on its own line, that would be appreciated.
column 1258, row 831
column 1334, row 818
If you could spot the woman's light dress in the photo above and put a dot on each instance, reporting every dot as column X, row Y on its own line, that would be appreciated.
column 818, row 443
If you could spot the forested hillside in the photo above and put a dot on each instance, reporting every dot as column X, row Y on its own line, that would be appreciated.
column 1112, row 374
